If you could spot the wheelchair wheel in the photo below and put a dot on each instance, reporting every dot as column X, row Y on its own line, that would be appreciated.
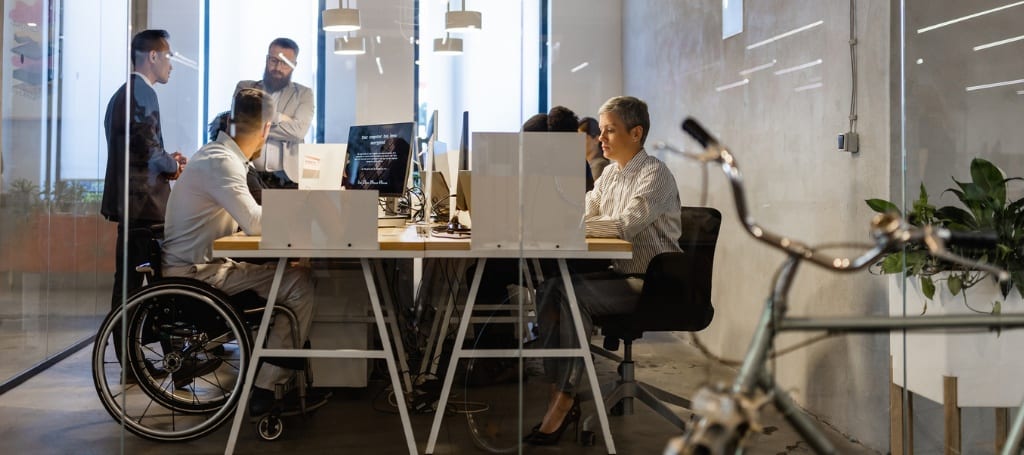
column 185, row 355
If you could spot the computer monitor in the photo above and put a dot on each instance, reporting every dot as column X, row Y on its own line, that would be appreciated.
column 440, row 195
column 463, row 201
column 464, row 146
column 379, row 158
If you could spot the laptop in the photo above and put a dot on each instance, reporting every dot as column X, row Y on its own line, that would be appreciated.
column 321, row 166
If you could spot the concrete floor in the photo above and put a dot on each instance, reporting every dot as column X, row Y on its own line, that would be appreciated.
column 58, row 412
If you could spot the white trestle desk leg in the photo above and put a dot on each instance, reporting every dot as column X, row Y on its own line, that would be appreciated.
column 537, row 271
column 428, row 349
column 449, row 375
column 584, row 340
column 393, row 317
column 254, row 359
column 446, row 321
column 424, row 299
column 389, row 355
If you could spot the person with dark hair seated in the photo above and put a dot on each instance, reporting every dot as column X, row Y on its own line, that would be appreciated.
column 536, row 123
column 562, row 119
column 595, row 157
column 636, row 200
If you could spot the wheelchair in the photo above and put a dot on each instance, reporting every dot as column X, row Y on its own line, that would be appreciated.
column 177, row 373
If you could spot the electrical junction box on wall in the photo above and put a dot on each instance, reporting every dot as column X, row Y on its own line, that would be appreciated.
column 848, row 142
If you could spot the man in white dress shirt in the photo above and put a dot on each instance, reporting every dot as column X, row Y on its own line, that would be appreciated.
column 211, row 201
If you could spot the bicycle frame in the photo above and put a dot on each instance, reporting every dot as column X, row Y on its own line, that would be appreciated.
column 889, row 233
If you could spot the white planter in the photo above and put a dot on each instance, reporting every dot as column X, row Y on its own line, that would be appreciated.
column 989, row 367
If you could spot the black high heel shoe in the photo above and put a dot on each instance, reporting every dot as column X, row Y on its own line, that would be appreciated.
column 538, row 438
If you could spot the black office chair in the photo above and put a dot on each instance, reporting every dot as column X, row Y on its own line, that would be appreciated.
column 676, row 297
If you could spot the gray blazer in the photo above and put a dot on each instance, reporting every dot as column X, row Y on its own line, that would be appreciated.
column 295, row 101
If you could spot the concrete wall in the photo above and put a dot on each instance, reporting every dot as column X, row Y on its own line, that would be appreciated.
column 782, row 129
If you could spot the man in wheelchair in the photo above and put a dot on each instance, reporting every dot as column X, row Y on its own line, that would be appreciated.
column 212, row 200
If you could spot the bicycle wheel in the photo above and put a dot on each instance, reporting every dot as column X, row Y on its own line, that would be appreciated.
column 186, row 351
column 492, row 415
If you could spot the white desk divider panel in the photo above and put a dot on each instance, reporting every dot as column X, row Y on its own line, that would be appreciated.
column 320, row 220
column 320, row 166
column 553, row 188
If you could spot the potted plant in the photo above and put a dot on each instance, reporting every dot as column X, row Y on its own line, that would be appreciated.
column 987, row 365
column 66, row 195
column 23, row 197
column 984, row 207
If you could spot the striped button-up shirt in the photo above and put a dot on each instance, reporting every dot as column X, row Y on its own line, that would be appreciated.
column 638, row 203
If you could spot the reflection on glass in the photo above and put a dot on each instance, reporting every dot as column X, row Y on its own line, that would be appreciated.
column 783, row 35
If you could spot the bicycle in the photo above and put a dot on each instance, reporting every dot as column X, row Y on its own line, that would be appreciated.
column 726, row 416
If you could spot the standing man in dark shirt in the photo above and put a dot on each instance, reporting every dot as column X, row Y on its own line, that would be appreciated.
column 150, row 167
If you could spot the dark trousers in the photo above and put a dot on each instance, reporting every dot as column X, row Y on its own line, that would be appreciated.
column 140, row 236
column 597, row 294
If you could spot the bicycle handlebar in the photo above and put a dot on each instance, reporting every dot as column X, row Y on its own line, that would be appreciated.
column 890, row 231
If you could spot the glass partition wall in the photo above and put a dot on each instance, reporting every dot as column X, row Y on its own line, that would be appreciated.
column 930, row 93
column 62, row 62
column 963, row 99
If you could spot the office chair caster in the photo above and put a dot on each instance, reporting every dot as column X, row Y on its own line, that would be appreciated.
column 588, row 438
column 270, row 427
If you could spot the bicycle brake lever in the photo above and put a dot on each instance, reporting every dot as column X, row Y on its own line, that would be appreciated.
column 933, row 239
column 707, row 156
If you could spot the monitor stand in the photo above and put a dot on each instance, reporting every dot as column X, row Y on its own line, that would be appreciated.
column 389, row 216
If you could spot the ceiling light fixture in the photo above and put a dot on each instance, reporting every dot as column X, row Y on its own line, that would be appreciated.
column 344, row 45
column 462, row 20
column 340, row 19
column 448, row 45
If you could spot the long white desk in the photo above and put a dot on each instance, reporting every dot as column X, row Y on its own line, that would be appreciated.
column 405, row 243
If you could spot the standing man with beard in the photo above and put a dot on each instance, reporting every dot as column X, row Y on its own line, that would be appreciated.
column 278, row 165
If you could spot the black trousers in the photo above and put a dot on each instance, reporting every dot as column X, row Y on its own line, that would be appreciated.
column 139, row 239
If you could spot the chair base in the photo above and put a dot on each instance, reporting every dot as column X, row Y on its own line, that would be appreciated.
column 619, row 395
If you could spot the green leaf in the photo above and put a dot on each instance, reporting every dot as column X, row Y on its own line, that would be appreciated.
column 997, row 307
column 989, row 178
column 882, row 206
column 956, row 218
column 927, row 287
column 955, row 283
column 893, row 263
